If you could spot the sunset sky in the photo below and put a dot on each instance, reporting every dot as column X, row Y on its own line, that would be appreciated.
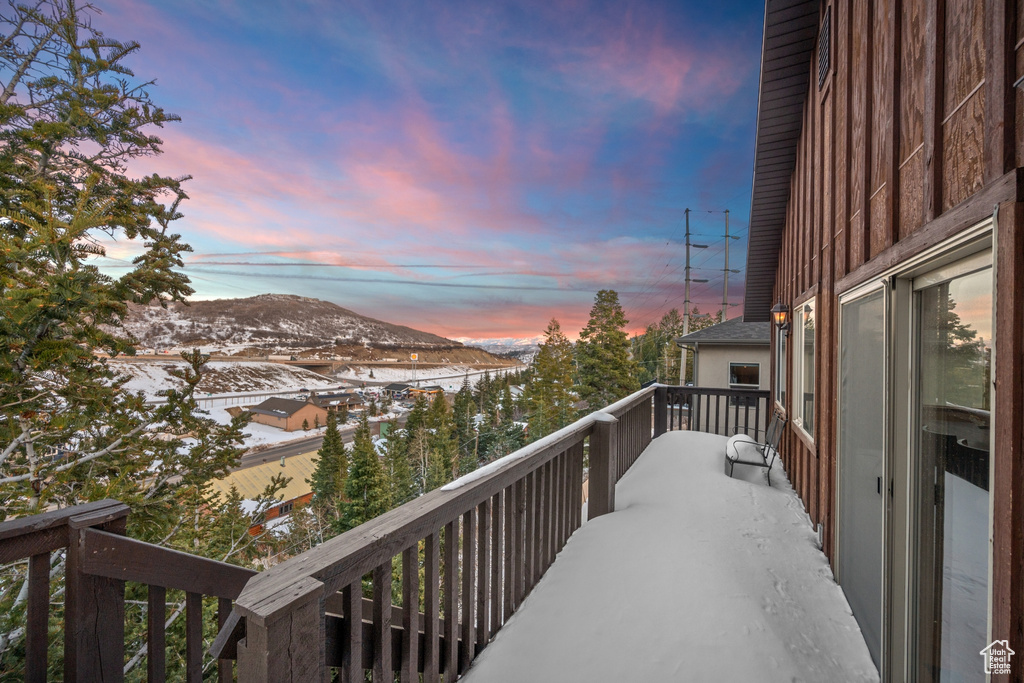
column 467, row 168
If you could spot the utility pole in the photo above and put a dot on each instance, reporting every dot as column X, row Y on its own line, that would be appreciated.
column 727, row 269
column 686, row 300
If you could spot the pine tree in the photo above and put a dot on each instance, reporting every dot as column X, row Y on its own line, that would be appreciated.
column 305, row 425
column 443, row 465
column 417, row 417
column 328, row 482
column 366, row 488
column 549, row 395
column 397, row 468
column 438, row 413
column 606, row 370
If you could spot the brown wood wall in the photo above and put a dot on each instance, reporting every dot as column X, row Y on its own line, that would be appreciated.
column 915, row 135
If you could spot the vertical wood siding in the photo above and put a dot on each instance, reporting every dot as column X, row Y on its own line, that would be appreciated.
column 918, row 116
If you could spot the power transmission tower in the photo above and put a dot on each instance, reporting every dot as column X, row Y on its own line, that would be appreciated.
column 686, row 300
column 725, row 286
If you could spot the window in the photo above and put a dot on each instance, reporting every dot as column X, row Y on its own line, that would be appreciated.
column 803, row 371
column 285, row 508
column 744, row 375
column 780, row 367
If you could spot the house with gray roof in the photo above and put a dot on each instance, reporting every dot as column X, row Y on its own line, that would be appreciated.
column 288, row 414
column 730, row 355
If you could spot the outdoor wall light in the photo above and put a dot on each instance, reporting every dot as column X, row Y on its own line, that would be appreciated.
column 780, row 314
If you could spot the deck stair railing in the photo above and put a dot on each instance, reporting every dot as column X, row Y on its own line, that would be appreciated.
column 462, row 559
column 99, row 560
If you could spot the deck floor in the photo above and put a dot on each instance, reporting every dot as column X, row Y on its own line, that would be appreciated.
column 694, row 577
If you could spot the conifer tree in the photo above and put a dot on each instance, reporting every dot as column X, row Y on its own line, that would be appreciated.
column 443, row 465
column 438, row 413
column 417, row 417
column 366, row 489
column 331, row 471
column 549, row 394
column 398, row 470
column 606, row 370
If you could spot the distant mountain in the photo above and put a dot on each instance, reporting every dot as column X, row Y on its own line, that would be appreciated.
column 273, row 323
column 523, row 349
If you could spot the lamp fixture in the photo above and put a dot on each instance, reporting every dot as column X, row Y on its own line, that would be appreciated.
column 780, row 315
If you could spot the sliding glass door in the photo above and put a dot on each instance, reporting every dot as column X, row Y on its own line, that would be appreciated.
column 950, row 424
column 861, row 442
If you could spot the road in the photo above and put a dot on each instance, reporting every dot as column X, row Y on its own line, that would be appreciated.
column 298, row 447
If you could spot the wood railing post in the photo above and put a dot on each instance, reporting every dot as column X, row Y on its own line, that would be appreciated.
column 285, row 629
column 93, row 605
column 660, row 411
column 603, row 465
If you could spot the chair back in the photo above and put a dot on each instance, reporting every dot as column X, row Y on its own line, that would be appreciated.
column 773, row 435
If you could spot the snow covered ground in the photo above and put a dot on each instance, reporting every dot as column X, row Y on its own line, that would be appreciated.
column 694, row 577
column 448, row 377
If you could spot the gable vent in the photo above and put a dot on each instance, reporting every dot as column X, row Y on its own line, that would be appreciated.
column 824, row 47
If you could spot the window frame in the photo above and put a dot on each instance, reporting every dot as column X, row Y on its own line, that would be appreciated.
column 799, row 330
column 742, row 386
column 780, row 386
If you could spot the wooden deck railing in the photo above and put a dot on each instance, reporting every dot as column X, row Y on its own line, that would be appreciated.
column 466, row 556
column 718, row 411
column 481, row 543
column 99, row 560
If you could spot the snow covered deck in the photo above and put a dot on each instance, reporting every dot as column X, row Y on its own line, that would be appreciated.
column 695, row 576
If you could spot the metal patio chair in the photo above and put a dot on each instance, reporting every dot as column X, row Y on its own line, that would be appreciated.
column 744, row 450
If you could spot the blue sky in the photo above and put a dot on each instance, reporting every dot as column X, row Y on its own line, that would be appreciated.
column 467, row 168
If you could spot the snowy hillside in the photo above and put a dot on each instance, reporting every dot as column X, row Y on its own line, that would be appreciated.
column 222, row 377
column 272, row 322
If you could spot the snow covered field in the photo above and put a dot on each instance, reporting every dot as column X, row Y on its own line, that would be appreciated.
column 694, row 577
column 449, row 377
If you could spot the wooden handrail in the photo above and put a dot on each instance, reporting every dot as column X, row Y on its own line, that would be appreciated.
column 533, row 495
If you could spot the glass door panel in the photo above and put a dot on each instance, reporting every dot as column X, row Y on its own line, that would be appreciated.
column 952, row 420
column 861, row 435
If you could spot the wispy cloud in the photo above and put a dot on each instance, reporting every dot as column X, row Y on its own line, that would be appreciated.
column 473, row 168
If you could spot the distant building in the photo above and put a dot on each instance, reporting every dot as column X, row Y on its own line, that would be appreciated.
column 730, row 355
column 288, row 414
column 397, row 390
column 250, row 482
column 335, row 401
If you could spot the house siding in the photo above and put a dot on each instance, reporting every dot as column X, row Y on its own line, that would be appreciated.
column 916, row 135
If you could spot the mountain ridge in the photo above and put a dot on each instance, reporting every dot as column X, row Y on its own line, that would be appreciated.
column 269, row 323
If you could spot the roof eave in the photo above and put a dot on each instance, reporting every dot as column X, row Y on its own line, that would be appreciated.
column 790, row 34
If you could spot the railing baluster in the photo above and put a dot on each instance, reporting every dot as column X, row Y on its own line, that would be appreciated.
column 468, row 588
column 194, row 637
column 519, row 568
column 483, row 575
column 156, row 637
column 530, row 533
column 224, row 666
column 511, row 553
column 431, row 579
column 497, row 561
column 409, row 666
column 383, row 671
column 352, row 633
column 553, row 509
column 37, row 617
column 451, row 600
